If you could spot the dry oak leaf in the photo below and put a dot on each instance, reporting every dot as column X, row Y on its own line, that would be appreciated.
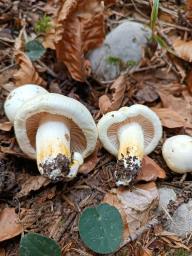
column 9, row 224
column 183, row 49
column 150, row 170
column 27, row 72
column 118, row 91
column 136, row 207
column 170, row 118
column 78, row 27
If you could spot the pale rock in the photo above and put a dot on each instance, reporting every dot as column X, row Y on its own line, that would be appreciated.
column 181, row 221
column 123, row 46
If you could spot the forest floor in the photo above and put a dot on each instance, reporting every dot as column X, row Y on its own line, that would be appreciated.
column 163, row 80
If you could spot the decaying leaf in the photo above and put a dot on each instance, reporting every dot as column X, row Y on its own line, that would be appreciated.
column 189, row 9
column 2, row 252
column 136, row 206
column 118, row 90
column 150, row 170
column 170, row 118
column 32, row 183
column 90, row 162
column 9, row 224
column 6, row 126
column 27, row 73
column 110, row 2
column 183, row 49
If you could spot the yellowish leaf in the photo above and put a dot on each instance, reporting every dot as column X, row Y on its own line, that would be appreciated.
column 27, row 72
column 183, row 49
column 6, row 126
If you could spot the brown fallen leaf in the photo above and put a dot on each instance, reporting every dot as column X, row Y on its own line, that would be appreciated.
column 2, row 252
column 32, row 183
column 118, row 91
column 110, row 2
column 77, row 27
column 183, row 49
column 170, row 118
column 136, row 206
column 27, row 72
column 6, row 126
column 145, row 252
column 9, row 224
column 91, row 161
column 150, row 171
column 189, row 9
column 189, row 81
column 181, row 105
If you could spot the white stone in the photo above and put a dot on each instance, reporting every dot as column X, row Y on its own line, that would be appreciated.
column 181, row 221
column 125, row 43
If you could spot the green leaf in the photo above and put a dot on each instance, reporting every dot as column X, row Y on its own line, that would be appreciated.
column 34, row 49
column 154, row 14
column 43, row 25
column 34, row 244
column 101, row 228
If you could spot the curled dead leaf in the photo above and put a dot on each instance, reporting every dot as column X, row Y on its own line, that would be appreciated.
column 136, row 206
column 170, row 118
column 27, row 72
column 150, row 170
column 118, row 91
column 183, row 49
column 9, row 224
column 78, row 27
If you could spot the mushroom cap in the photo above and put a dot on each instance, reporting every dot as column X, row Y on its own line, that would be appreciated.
column 177, row 153
column 111, row 122
column 83, row 130
column 19, row 96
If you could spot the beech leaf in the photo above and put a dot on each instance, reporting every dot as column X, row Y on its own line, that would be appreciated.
column 170, row 118
column 77, row 28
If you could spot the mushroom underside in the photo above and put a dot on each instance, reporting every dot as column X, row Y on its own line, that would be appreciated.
column 147, row 127
column 77, row 138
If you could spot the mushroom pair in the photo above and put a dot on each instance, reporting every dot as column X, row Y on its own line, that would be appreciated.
column 129, row 134
column 56, row 130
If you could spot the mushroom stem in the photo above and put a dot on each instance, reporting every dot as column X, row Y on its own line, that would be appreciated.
column 77, row 161
column 131, row 149
column 53, row 147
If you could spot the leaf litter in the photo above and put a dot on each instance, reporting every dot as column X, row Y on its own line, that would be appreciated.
column 160, row 82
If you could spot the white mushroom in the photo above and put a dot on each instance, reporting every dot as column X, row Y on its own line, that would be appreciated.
column 129, row 134
column 58, row 131
column 19, row 96
column 177, row 153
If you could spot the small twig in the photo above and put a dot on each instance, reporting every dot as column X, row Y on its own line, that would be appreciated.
column 49, row 71
column 6, row 68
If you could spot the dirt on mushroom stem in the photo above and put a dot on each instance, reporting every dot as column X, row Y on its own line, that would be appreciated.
column 60, row 162
column 127, row 169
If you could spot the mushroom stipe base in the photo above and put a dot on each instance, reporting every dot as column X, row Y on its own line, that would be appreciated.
column 56, row 169
column 126, row 175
